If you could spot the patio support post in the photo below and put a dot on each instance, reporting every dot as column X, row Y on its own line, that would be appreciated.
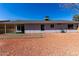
column 15, row 28
column 78, row 28
column 5, row 28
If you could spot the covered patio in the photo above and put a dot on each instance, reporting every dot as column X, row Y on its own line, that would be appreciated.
column 7, row 28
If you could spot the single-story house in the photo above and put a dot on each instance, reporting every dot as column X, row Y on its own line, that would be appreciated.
column 38, row 26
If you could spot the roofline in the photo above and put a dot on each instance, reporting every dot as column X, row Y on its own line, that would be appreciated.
column 42, row 22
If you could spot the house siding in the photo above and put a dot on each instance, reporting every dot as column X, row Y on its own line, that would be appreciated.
column 47, row 27
column 56, row 27
column 32, row 27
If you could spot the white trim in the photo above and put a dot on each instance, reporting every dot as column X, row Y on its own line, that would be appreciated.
column 5, row 28
column 33, row 31
column 39, row 31
column 72, row 30
column 18, row 30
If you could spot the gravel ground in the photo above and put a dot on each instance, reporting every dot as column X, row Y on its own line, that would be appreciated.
column 57, row 44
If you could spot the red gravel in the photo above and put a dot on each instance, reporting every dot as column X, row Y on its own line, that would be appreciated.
column 50, row 44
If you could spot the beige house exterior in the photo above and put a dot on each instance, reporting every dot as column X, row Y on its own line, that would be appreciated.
column 38, row 26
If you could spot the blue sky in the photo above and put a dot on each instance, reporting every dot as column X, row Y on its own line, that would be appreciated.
column 34, row 11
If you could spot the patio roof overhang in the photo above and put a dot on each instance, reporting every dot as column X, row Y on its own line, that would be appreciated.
column 42, row 22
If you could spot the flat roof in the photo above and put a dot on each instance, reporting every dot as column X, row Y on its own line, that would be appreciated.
column 37, row 22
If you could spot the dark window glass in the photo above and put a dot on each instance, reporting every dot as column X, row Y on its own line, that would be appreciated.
column 18, row 27
column 70, row 26
column 52, row 25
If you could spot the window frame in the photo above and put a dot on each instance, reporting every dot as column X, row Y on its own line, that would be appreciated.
column 52, row 25
column 18, row 27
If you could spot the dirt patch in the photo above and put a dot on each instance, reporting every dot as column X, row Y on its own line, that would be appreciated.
column 50, row 44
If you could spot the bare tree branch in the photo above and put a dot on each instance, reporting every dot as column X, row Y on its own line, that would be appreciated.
column 74, row 6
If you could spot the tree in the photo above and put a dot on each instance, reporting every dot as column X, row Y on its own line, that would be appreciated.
column 75, row 18
column 74, row 6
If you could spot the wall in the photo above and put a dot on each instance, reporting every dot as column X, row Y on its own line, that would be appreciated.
column 32, row 28
column 10, row 28
column 2, row 28
column 57, row 28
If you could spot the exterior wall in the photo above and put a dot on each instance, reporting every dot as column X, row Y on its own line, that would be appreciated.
column 10, row 28
column 2, row 28
column 47, row 27
column 60, row 27
column 56, row 26
column 37, row 28
column 32, row 28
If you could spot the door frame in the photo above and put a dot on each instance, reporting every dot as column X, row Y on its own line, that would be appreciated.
column 42, row 27
column 20, row 28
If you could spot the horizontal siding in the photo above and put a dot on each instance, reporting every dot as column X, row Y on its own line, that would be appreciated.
column 32, row 27
column 57, row 28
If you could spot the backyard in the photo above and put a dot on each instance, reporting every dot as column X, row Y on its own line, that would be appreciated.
column 39, row 44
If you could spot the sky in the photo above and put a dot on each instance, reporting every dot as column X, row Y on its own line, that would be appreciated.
column 35, row 11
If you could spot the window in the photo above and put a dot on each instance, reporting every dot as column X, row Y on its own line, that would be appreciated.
column 77, row 26
column 70, row 26
column 18, row 27
column 42, row 27
column 52, row 25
